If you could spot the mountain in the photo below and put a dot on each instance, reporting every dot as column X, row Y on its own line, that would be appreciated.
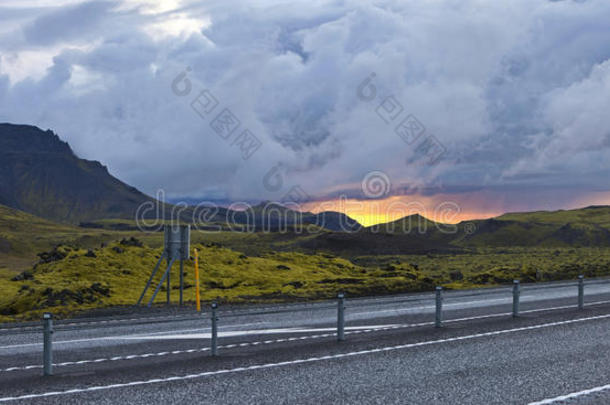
column 41, row 175
column 270, row 216
column 588, row 226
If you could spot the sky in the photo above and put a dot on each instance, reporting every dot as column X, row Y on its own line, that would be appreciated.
column 455, row 109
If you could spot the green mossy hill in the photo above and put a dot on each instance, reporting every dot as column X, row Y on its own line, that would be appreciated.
column 23, row 235
column 69, row 279
column 597, row 215
column 15, row 225
column 584, row 227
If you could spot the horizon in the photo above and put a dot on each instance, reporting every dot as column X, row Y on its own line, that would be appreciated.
column 374, row 211
column 369, row 217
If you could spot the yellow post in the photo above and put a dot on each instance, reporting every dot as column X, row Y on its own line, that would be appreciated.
column 197, row 297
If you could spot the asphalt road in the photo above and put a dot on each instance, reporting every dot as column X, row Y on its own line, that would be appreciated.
column 289, row 353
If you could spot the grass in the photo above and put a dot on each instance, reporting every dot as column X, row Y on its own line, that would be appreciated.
column 494, row 266
column 22, row 236
column 115, row 275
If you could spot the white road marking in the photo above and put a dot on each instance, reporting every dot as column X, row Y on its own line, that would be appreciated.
column 573, row 395
column 459, row 305
column 208, row 335
column 175, row 336
column 301, row 361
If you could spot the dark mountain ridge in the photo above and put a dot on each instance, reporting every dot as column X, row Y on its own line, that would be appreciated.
column 41, row 175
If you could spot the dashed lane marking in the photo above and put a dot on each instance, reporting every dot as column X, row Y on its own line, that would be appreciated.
column 301, row 361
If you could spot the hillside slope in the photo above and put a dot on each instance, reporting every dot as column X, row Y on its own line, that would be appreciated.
column 40, row 174
column 595, row 214
column 588, row 226
column 23, row 236
column 582, row 227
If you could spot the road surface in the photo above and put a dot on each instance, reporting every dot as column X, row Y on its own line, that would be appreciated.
column 552, row 352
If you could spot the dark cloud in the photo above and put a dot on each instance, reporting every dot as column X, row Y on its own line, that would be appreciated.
column 516, row 92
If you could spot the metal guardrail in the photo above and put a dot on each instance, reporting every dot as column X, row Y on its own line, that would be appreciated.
column 48, row 328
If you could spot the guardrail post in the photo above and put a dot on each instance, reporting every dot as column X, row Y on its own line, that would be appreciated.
column 340, row 317
column 581, row 291
column 47, row 353
column 516, row 294
column 439, row 307
column 214, row 348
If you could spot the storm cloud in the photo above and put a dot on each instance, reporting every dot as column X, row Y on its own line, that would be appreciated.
column 516, row 93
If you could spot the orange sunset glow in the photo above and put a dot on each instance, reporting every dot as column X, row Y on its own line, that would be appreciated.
column 449, row 208
column 372, row 212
